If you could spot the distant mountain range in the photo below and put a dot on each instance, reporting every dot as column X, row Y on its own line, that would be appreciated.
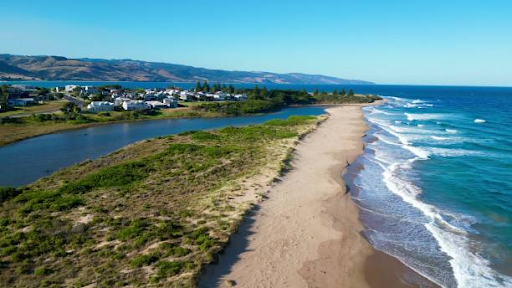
column 17, row 67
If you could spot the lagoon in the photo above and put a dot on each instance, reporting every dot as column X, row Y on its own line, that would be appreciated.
column 24, row 162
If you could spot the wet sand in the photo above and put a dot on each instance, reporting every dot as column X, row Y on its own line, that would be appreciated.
column 307, row 232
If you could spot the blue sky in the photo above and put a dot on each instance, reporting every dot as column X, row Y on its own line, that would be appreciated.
column 449, row 42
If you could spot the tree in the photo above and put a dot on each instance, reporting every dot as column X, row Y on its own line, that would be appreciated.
column 97, row 97
column 335, row 92
column 316, row 92
column 343, row 93
column 43, row 91
column 206, row 87
column 264, row 92
column 231, row 89
column 3, row 97
column 71, row 110
column 350, row 92
column 198, row 87
column 256, row 92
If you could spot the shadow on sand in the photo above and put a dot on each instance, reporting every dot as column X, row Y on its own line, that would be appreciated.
column 212, row 275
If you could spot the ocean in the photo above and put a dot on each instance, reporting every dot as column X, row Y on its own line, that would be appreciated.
column 435, row 180
column 435, row 183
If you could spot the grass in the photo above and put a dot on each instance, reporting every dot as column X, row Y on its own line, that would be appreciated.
column 47, row 107
column 153, row 213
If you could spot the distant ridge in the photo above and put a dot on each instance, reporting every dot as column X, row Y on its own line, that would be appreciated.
column 18, row 67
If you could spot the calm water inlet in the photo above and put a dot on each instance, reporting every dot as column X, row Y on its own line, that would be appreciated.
column 26, row 161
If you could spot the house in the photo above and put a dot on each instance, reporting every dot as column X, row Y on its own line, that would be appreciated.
column 220, row 96
column 187, row 96
column 240, row 97
column 100, row 106
column 70, row 88
column 150, row 96
column 134, row 105
column 89, row 89
column 20, row 102
column 173, row 91
column 120, row 100
column 171, row 102
column 157, row 104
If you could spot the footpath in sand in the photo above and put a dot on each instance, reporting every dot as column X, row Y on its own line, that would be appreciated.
column 307, row 232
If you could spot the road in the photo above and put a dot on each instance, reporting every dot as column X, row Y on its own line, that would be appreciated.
column 75, row 100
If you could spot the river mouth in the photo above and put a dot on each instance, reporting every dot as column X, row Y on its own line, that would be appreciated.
column 24, row 162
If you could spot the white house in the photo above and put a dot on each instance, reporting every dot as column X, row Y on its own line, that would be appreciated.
column 173, row 91
column 157, row 104
column 120, row 100
column 89, row 89
column 187, row 96
column 100, row 106
column 220, row 96
column 150, row 96
column 70, row 88
column 171, row 102
column 240, row 97
column 134, row 105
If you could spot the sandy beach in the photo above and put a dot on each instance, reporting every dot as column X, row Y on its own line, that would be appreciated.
column 307, row 233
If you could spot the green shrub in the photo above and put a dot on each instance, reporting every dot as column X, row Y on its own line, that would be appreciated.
column 291, row 121
column 144, row 260
column 135, row 229
column 120, row 175
column 38, row 200
column 42, row 271
column 204, row 136
column 168, row 269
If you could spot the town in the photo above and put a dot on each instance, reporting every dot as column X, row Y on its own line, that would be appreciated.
column 114, row 97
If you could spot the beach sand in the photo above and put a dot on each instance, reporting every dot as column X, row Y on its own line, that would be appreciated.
column 307, row 232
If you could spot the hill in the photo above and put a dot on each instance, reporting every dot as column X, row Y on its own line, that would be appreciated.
column 18, row 67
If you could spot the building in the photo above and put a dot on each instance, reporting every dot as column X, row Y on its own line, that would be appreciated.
column 171, row 102
column 220, row 96
column 134, row 105
column 89, row 89
column 20, row 102
column 70, row 88
column 120, row 100
column 150, row 96
column 240, row 97
column 187, row 96
column 157, row 104
column 100, row 106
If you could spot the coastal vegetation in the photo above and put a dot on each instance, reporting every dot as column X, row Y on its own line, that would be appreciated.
column 70, row 116
column 152, row 213
column 261, row 100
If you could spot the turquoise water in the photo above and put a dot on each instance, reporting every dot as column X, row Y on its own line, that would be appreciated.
column 442, row 201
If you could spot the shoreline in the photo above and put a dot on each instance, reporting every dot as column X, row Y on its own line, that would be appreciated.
column 296, row 238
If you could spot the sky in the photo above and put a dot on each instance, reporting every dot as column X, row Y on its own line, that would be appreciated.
column 430, row 42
